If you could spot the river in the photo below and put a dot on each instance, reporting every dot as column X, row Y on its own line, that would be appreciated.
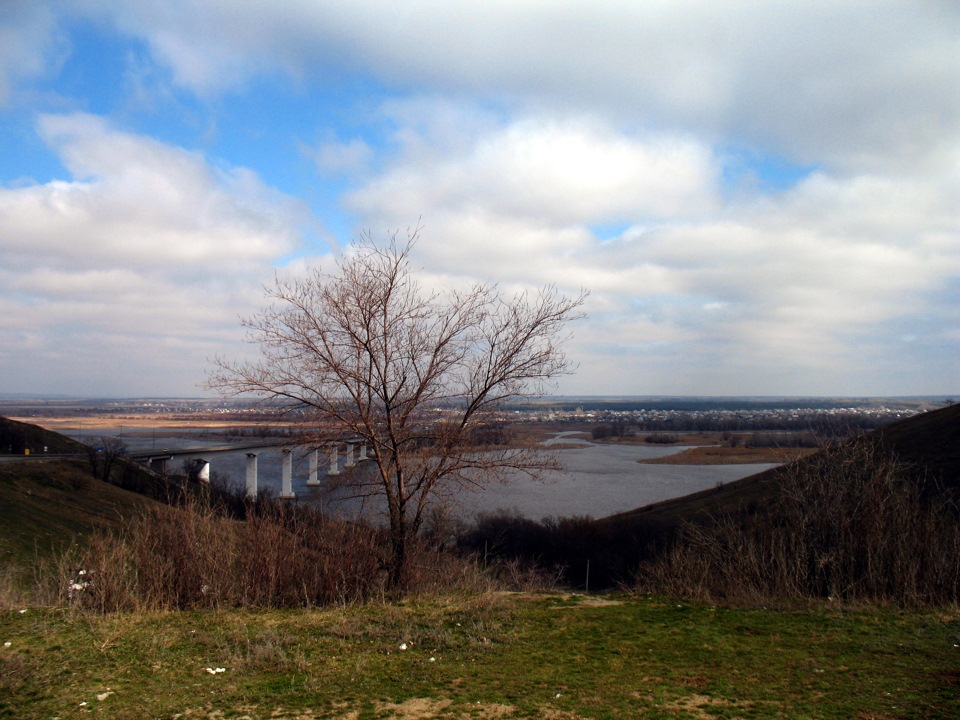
column 596, row 480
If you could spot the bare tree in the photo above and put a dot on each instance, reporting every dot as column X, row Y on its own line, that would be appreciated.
column 416, row 376
column 104, row 454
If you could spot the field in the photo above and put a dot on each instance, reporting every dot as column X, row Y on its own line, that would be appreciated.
column 484, row 656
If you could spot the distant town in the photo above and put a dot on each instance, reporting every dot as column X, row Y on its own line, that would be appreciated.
column 677, row 414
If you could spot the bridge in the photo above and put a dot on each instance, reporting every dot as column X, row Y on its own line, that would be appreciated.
column 355, row 451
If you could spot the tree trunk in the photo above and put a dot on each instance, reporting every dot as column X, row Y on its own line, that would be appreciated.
column 398, row 557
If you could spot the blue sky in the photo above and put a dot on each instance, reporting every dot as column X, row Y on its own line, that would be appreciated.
column 761, row 198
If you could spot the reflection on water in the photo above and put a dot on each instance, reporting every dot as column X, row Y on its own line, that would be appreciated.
column 597, row 480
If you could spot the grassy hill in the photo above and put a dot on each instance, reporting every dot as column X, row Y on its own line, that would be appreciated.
column 48, row 505
column 16, row 438
column 480, row 655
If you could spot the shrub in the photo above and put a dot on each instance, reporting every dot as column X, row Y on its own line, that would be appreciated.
column 849, row 523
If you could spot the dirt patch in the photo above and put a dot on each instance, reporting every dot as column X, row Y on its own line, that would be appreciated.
column 701, row 706
column 594, row 601
column 492, row 711
column 582, row 600
column 413, row 709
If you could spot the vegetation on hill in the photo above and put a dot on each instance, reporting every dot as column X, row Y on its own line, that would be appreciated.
column 17, row 438
column 47, row 507
column 850, row 523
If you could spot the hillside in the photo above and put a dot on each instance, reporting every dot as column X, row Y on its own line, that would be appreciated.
column 928, row 444
column 47, row 505
column 17, row 437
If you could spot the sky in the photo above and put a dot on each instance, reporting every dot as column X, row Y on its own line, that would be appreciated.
column 761, row 197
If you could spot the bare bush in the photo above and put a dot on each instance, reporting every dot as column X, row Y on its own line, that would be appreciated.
column 193, row 557
column 105, row 454
column 849, row 523
column 280, row 556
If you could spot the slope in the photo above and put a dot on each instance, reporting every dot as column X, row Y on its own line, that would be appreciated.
column 17, row 437
column 48, row 505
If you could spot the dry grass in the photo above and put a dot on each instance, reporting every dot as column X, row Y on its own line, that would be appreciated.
column 718, row 455
column 850, row 522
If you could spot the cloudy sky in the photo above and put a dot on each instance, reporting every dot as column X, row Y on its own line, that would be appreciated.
column 763, row 198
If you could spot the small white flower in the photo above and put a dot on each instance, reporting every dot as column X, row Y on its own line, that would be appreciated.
column 433, row 659
column 83, row 703
column 8, row 644
column 23, row 611
column 81, row 572
column 403, row 646
column 214, row 671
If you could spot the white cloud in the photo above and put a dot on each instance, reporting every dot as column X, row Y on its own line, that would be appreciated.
column 147, row 251
column 583, row 144
column 818, row 82
column 141, row 203
column 352, row 157
column 523, row 195
column 29, row 43
column 803, row 282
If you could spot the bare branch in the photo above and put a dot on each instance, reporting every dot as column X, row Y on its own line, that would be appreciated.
column 416, row 375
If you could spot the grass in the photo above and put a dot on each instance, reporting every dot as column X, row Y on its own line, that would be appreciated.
column 484, row 656
column 46, row 506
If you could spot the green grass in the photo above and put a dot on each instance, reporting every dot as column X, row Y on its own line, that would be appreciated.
column 510, row 656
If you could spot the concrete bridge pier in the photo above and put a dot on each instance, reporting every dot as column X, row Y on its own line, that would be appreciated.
column 362, row 452
column 313, row 480
column 349, row 462
column 252, row 475
column 334, row 468
column 286, row 478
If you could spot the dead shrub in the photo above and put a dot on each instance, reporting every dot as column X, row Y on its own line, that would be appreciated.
column 196, row 558
column 850, row 523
